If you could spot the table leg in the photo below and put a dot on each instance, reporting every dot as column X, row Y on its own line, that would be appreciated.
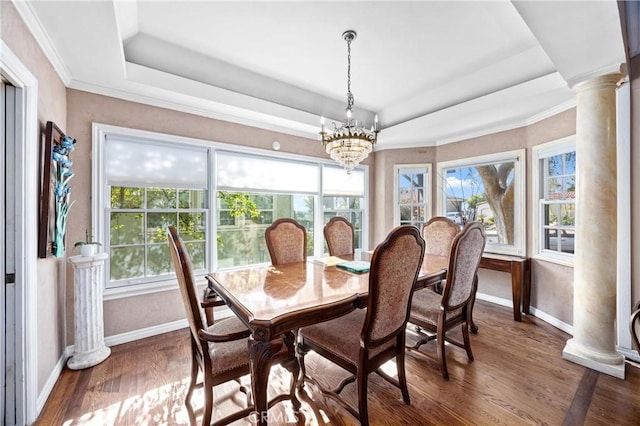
column 260, row 354
column 526, row 297
column 517, row 271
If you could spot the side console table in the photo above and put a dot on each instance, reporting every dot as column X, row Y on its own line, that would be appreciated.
column 520, row 269
column 89, row 347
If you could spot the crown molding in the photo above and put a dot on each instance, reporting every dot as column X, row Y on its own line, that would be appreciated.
column 209, row 109
column 31, row 20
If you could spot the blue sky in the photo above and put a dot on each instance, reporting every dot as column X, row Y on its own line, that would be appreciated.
column 463, row 182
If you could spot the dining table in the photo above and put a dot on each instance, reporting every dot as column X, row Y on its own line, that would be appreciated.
column 274, row 300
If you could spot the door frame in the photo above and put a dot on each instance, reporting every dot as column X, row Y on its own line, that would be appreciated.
column 26, row 255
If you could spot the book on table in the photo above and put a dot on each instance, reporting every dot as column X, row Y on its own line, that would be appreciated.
column 328, row 261
column 356, row 266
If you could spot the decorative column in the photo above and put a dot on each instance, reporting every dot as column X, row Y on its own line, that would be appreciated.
column 89, row 347
column 594, row 273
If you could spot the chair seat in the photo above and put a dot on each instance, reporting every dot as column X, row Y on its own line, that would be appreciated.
column 232, row 355
column 425, row 307
column 340, row 336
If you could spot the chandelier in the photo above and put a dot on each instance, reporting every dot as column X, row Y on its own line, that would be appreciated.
column 350, row 143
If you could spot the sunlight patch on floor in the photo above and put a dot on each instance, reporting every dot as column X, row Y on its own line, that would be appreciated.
column 158, row 406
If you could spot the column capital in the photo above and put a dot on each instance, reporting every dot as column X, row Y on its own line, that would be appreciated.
column 87, row 261
column 599, row 82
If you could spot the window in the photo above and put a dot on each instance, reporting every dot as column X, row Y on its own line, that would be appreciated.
column 266, row 189
column 489, row 189
column 343, row 195
column 412, row 195
column 555, row 169
column 240, row 237
column 149, row 183
column 138, row 221
column 221, row 200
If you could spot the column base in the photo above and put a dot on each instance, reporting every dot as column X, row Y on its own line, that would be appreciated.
column 607, row 363
column 88, row 359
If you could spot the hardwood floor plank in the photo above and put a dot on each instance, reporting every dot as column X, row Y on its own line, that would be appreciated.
column 582, row 399
column 518, row 377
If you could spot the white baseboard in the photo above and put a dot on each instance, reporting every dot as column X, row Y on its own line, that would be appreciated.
column 130, row 336
column 552, row 320
column 493, row 299
column 51, row 381
column 535, row 312
column 142, row 333
column 628, row 353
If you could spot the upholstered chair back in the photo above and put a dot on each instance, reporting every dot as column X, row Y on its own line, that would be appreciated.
column 286, row 241
column 466, row 252
column 438, row 234
column 338, row 233
column 188, row 290
column 393, row 272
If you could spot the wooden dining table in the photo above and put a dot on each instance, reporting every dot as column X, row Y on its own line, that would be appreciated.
column 273, row 301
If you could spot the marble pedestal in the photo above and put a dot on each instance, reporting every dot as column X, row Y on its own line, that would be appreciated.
column 89, row 347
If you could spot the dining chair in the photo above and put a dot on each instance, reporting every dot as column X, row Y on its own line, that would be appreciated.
column 438, row 314
column 219, row 349
column 438, row 234
column 339, row 235
column 286, row 241
column 363, row 340
column 634, row 326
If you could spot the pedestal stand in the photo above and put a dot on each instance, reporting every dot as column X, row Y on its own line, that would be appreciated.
column 89, row 347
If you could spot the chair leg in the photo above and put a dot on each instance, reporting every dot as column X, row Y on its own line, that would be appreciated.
column 467, row 341
column 402, row 377
column 441, row 353
column 293, row 365
column 470, row 305
column 208, row 403
column 301, row 351
column 363, row 409
column 192, row 386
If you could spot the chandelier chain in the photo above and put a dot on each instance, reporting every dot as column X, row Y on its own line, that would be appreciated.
column 350, row 99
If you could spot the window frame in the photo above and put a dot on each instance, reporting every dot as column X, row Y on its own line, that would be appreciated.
column 319, row 243
column 397, row 169
column 101, row 202
column 100, row 196
column 518, row 248
column 539, row 153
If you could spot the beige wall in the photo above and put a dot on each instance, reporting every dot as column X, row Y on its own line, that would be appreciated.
column 52, row 106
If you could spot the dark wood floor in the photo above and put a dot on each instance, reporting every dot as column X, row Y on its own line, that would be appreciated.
column 518, row 377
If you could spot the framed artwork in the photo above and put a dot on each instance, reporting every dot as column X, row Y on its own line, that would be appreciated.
column 54, row 190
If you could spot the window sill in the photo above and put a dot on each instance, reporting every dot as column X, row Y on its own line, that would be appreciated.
column 559, row 259
column 146, row 288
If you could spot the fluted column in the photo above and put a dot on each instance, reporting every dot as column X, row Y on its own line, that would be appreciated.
column 88, row 348
column 594, row 274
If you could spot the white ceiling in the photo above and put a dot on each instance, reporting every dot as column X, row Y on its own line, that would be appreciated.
column 433, row 71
